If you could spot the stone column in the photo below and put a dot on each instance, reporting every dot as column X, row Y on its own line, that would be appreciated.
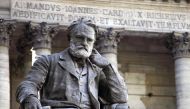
column 5, row 31
column 179, row 44
column 106, row 43
column 42, row 34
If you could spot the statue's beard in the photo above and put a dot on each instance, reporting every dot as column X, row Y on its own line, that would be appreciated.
column 80, row 51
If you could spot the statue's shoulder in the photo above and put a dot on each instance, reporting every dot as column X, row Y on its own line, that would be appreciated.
column 58, row 55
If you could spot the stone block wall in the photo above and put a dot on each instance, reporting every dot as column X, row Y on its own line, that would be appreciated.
column 149, row 75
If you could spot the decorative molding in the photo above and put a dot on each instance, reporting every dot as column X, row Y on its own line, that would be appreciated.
column 41, row 34
column 107, row 41
column 6, row 29
column 179, row 44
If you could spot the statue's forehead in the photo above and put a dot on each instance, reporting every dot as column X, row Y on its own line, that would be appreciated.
column 81, row 29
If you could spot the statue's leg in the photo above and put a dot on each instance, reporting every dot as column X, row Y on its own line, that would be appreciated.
column 116, row 106
column 46, row 107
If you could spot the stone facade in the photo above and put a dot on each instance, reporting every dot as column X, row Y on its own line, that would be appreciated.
column 148, row 72
column 155, row 75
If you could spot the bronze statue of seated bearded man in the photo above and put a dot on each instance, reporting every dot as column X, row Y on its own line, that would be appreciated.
column 78, row 77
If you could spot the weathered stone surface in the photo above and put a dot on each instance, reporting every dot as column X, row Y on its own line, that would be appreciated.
column 143, row 90
column 140, row 68
column 6, row 28
column 159, row 102
column 143, row 18
column 15, row 82
column 165, row 80
column 147, row 74
column 163, row 90
column 182, row 70
column 107, row 41
column 136, row 89
column 4, row 79
column 144, row 102
column 135, row 102
column 5, row 3
column 5, row 14
column 5, row 104
column 41, row 34
column 135, row 78
column 179, row 44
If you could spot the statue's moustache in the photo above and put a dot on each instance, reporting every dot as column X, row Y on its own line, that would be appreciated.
column 81, row 47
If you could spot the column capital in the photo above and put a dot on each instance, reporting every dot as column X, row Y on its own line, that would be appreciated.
column 107, row 40
column 179, row 44
column 6, row 28
column 41, row 34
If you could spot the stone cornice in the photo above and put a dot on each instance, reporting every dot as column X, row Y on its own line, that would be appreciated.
column 6, row 28
column 41, row 34
column 107, row 41
column 179, row 44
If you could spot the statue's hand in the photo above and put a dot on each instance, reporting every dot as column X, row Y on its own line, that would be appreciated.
column 31, row 102
column 98, row 60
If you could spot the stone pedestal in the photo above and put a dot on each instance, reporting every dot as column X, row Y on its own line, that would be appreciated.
column 5, row 30
column 179, row 43
column 106, row 44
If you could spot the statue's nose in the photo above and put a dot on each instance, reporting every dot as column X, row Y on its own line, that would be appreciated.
column 85, row 43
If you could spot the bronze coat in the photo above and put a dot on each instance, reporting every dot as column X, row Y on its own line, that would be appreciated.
column 55, row 76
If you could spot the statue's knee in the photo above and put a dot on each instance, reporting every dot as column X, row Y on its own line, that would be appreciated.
column 121, row 106
column 116, row 106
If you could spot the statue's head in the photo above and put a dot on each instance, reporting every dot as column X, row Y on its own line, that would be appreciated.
column 82, row 35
